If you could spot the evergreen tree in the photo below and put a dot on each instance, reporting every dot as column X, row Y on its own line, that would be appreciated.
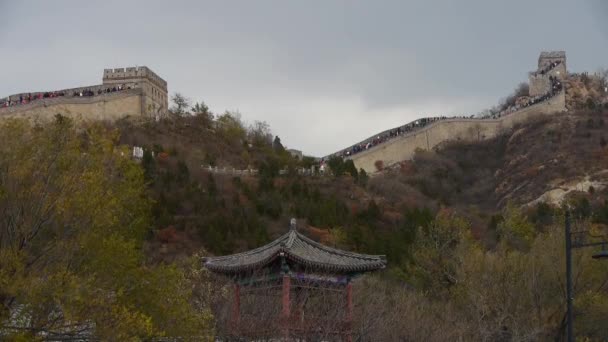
column 277, row 146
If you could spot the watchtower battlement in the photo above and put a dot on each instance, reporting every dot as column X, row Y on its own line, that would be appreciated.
column 126, row 74
column 551, row 67
column 155, row 88
column 548, row 57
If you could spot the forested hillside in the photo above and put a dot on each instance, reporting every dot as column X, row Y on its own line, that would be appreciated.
column 473, row 232
column 453, row 222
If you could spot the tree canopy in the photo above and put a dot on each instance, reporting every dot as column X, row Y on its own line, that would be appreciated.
column 74, row 216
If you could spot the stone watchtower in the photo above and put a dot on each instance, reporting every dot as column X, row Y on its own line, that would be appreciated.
column 154, row 100
column 551, row 65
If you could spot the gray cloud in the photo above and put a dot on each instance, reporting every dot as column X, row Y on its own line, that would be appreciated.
column 323, row 74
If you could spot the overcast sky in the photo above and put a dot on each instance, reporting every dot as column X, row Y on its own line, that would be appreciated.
column 323, row 74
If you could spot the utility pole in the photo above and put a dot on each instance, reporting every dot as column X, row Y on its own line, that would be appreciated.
column 579, row 242
column 569, row 319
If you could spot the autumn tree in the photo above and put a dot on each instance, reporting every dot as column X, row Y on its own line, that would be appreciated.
column 201, row 111
column 515, row 230
column 514, row 292
column 231, row 128
column 438, row 252
column 259, row 134
column 181, row 104
column 74, row 216
column 277, row 145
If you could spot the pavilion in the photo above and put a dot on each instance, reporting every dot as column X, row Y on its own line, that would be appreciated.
column 293, row 288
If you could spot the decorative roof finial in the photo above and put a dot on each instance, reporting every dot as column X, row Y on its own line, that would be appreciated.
column 292, row 224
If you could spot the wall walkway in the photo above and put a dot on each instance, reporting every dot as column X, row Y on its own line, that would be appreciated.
column 403, row 147
column 106, row 106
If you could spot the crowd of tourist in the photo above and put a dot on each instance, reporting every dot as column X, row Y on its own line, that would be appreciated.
column 27, row 98
column 547, row 68
column 23, row 98
column 556, row 88
column 393, row 133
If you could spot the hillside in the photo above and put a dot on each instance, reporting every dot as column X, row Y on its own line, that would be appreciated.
column 454, row 223
column 539, row 161
column 535, row 159
column 473, row 188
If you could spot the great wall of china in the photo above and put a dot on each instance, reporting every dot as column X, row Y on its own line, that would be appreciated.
column 403, row 147
column 136, row 92
column 139, row 92
column 399, row 147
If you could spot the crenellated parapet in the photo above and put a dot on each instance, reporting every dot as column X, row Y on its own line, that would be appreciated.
column 546, row 58
column 551, row 67
column 156, row 97
column 142, row 72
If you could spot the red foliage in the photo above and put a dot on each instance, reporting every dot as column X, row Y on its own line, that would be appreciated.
column 531, row 172
column 408, row 168
column 320, row 235
column 163, row 156
column 168, row 235
column 379, row 164
column 354, row 208
column 392, row 216
column 280, row 182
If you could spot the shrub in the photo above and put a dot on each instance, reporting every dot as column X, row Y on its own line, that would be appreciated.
column 379, row 164
column 362, row 177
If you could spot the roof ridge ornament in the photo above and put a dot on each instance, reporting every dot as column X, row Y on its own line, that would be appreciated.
column 293, row 224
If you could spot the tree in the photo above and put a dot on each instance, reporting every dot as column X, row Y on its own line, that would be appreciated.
column 362, row 178
column 379, row 164
column 602, row 75
column 336, row 164
column 74, row 216
column 523, row 89
column 349, row 167
column 201, row 111
column 437, row 252
column 308, row 162
column 519, row 295
column 515, row 230
column 200, row 108
column 277, row 146
column 231, row 127
column 259, row 133
column 181, row 104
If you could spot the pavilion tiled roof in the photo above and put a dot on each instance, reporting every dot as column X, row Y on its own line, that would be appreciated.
column 299, row 249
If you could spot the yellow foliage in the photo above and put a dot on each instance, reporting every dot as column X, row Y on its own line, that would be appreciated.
column 75, row 213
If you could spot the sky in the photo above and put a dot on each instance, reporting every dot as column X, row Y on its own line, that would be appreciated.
column 322, row 74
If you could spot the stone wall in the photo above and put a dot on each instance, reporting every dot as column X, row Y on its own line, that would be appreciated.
column 67, row 92
column 119, row 74
column 540, row 84
column 156, row 98
column 547, row 57
column 147, row 97
column 403, row 147
column 107, row 106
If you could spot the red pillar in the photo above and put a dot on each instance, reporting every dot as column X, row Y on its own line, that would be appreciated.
column 236, row 309
column 297, row 312
column 286, row 305
column 349, row 313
